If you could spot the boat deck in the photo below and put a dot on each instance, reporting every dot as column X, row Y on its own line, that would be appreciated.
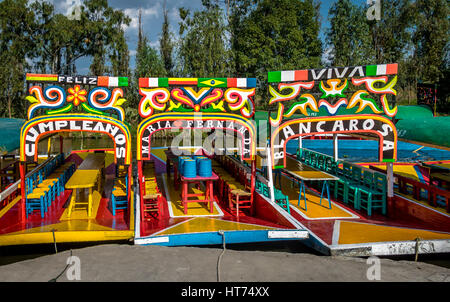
column 344, row 230
column 199, row 226
column 101, row 226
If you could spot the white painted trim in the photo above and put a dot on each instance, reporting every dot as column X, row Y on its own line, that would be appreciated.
column 288, row 234
column 152, row 240
column 336, row 232
column 137, row 212
column 387, row 248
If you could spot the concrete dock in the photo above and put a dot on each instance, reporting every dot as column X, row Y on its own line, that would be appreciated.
column 114, row 262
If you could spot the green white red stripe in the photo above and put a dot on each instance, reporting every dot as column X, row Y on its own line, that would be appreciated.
column 380, row 70
column 332, row 73
column 112, row 81
column 200, row 82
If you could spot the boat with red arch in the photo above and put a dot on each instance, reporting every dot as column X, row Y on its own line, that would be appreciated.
column 203, row 194
column 70, row 195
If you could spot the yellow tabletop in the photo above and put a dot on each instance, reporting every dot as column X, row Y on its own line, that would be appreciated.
column 94, row 161
column 82, row 179
column 305, row 172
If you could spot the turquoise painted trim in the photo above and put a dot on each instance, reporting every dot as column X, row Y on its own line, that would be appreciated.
column 214, row 238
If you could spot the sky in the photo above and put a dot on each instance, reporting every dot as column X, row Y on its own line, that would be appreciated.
column 152, row 18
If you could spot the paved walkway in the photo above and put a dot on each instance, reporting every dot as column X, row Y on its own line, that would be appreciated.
column 189, row 264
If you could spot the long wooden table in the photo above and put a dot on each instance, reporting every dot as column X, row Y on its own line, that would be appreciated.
column 86, row 176
column 95, row 161
column 304, row 172
column 82, row 179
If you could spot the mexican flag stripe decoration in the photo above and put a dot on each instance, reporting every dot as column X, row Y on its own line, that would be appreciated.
column 153, row 82
column 287, row 76
column 379, row 70
column 112, row 81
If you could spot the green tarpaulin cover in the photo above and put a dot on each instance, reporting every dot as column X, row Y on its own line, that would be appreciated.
column 10, row 134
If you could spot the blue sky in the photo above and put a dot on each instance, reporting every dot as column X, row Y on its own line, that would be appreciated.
column 152, row 15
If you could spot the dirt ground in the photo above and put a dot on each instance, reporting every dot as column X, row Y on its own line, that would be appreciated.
column 189, row 264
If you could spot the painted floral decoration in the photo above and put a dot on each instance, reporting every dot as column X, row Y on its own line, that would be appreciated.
column 77, row 95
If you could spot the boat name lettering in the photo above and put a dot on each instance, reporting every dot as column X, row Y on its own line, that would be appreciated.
column 77, row 80
column 33, row 134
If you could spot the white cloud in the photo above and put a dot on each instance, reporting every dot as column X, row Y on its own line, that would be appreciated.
column 150, row 12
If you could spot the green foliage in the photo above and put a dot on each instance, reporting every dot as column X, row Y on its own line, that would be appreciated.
column 274, row 35
column 203, row 50
column 431, row 38
column 166, row 45
column 349, row 35
column 226, row 38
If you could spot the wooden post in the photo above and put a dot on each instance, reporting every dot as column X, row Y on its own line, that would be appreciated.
column 335, row 147
column 270, row 175
column 253, row 178
column 390, row 187
column 141, row 184
column 22, row 190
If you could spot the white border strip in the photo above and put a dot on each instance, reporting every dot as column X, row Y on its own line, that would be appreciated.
column 336, row 233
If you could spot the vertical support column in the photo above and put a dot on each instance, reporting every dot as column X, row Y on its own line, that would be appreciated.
column 141, row 183
column 22, row 190
column 61, row 144
column 253, row 177
column 390, row 187
column 130, row 176
column 335, row 147
column 270, row 174
column 49, row 146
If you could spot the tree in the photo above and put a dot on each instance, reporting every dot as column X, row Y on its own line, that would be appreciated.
column 431, row 38
column 349, row 35
column 275, row 35
column 203, row 50
column 148, row 64
column 166, row 44
column 16, row 45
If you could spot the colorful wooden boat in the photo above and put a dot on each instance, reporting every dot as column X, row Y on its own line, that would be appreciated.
column 252, row 193
column 363, row 214
column 69, row 196
column 235, row 213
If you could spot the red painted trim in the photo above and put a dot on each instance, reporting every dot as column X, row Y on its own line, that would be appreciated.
column 143, row 82
column 22, row 191
column 225, row 128
column 231, row 82
column 70, row 130
column 301, row 75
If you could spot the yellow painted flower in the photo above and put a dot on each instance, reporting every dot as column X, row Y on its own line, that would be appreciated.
column 77, row 95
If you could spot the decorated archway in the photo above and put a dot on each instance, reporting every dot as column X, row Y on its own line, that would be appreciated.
column 373, row 125
column 37, row 128
column 210, row 121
